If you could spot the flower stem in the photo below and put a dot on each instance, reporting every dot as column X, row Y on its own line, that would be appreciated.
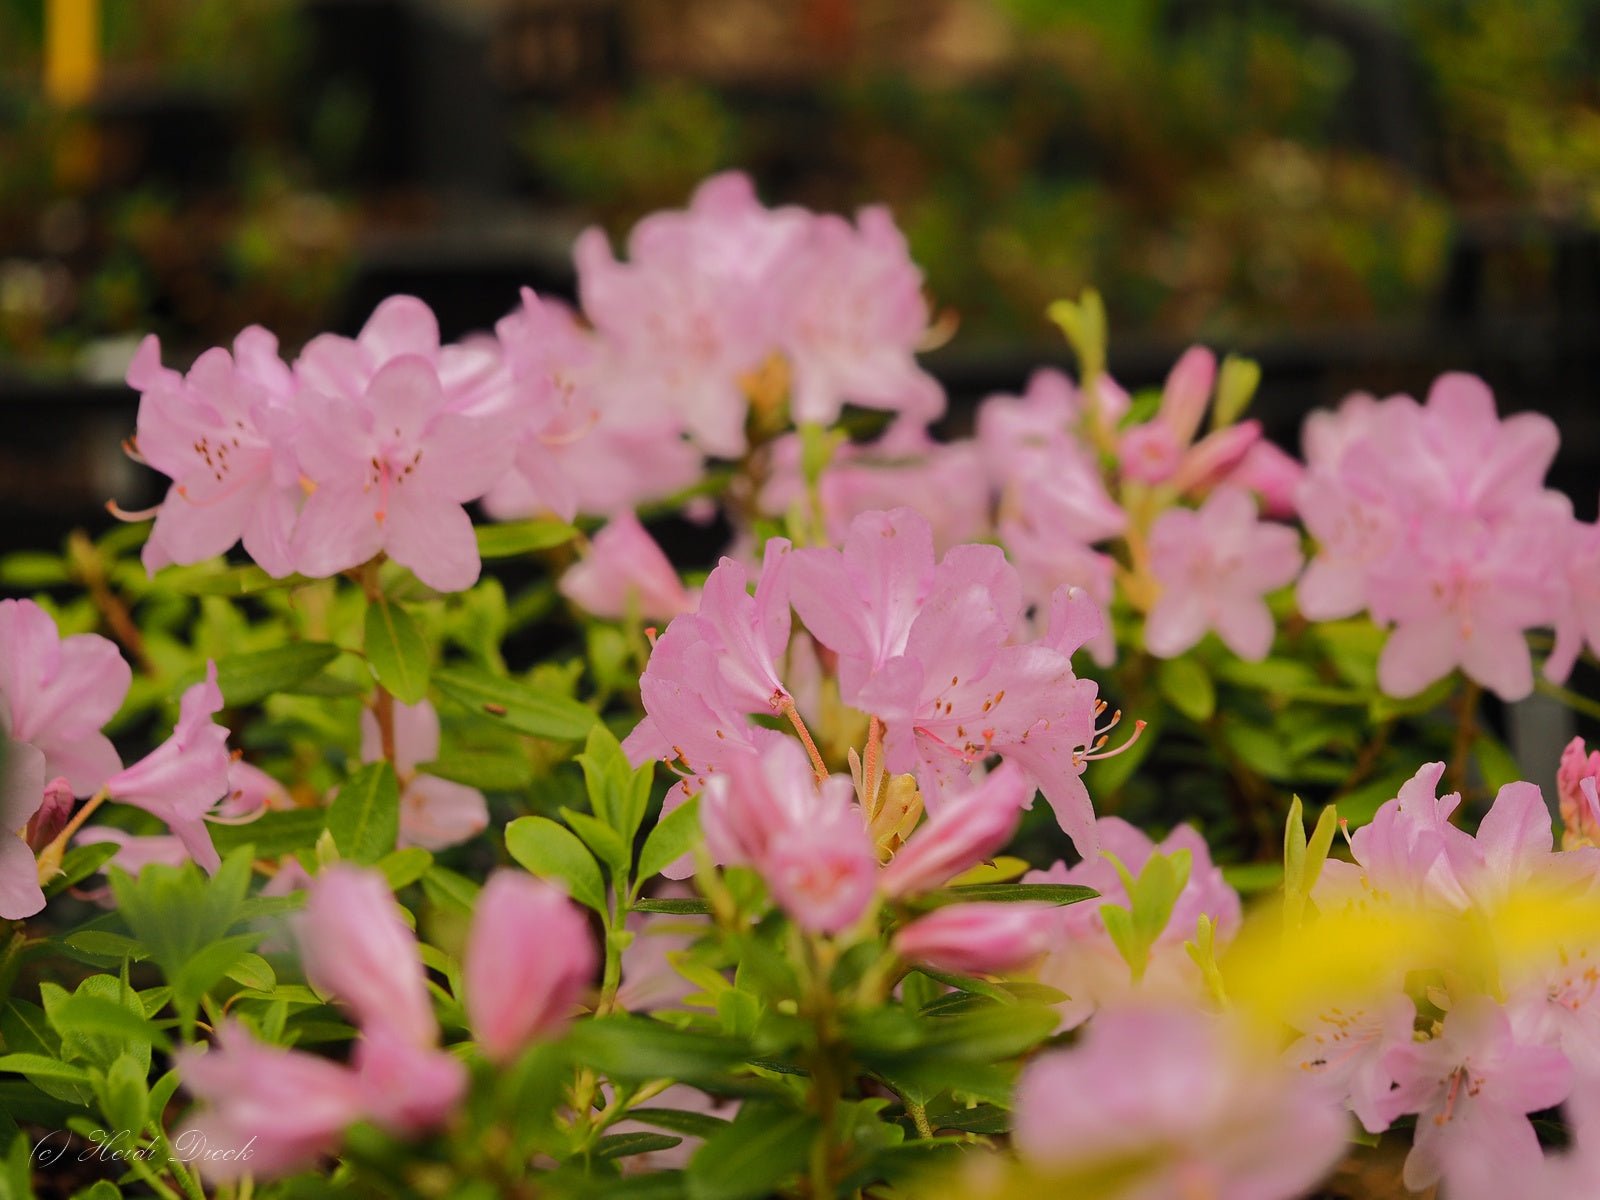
column 50, row 856
column 785, row 705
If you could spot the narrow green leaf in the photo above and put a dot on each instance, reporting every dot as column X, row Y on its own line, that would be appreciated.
column 1183, row 682
column 516, row 705
column 486, row 772
column 203, row 579
column 621, row 1145
column 405, row 867
column 764, row 1146
column 364, row 817
column 1047, row 893
column 248, row 678
column 273, row 834
column 694, row 1124
column 672, row 906
column 37, row 1066
column 640, row 1048
column 553, row 852
column 602, row 839
column 511, row 538
column 396, row 650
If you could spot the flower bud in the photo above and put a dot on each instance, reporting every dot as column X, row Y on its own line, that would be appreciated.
column 529, row 957
column 982, row 939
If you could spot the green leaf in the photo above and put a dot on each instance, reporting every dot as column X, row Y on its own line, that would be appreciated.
column 447, row 889
column 396, row 650
column 1046, row 893
column 273, row 834
column 511, row 538
column 210, row 966
column 693, row 1124
column 516, row 705
column 640, row 1048
column 1186, row 686
column 672, row 905
column 763, row 1146
column 124, row 1094
column 253, row 971
column 484, row 771
column 37, row 1066
column 102, row 943
column 79, row 863
column 248, row 678
column 674, row 836
column 1237, row 380
column 86, row 1015
column 405, row 867
column 602, row 839
column 553, row 851
column 204, row 579
column 364, row 817
column 1495, row 763
column 621, row 1145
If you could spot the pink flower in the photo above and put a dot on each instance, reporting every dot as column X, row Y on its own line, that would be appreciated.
column 1272, row 475
column 267, row 1111
column 1214, row 566
column 529, row 958
column 218, row 434
column 1346, row 1048
column 694, row 309
column 358, row 950
column 649, row 980
column 926, row 649
column 406, row 1088
column 821, row 869
column 52, row 815
column 986, row 938
column 967, row 830
column 626, row 574
column 1580, row 808
column 852, row 319
column 1578, row 623
column 185, row 777
column 1434, row 518
column 392, row 466
column 56, row 693
column 22, row 792
column 1472, row 1087
column 434, row 813
column 136, row 852
column 1171, row 1097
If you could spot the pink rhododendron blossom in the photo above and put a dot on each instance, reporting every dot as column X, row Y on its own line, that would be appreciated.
column 252, row 791
column 1174, row 1098
column 1083, row 961
column 1578, row 619
column 967, row 830
column 927, row 649
column 22, row 792
column 984, row 938
column 529, row 958
column 649, row 980
column 1580, row 808
column 357, row 949
column 625, row 574
column 182, row 780
column 137, row 851
column 692, row 310
column 57, row 692
column 1214, row 566
column 822, row 870
column 267, row 1111
column 944, row 481
column 1472, row 1087
column 1435, row 519
column 853, row 317
column 1272, row 475
column 1346, row 1050
column 392, row 467
column 218, row 434
column 434, row 813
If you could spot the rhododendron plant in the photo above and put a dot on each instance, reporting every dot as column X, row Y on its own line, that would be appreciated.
column 603, row 756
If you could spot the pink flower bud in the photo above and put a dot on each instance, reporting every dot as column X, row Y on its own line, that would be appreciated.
column 983, row 938
column 358, row 950
column 1149, row 453
column 823, row 872
column 1580, row 815
column 1186, row 393
column 625, row 573
column 529, row 957
column 51, row 817
column 406, row 1088
column 1213, row 457
column 963, row 834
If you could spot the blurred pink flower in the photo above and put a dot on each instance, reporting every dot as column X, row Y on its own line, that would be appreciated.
column 1580, row 810
column 529, row 958
column 182, row 780
column 57, row 692
column 217, row 433
column 22, row 793
column 1214, row 566
column 1174, row 1097
column 405, row 1087
column 434, row 813
column 357, row 950
column 968, row 829
column 267, row 1112
column 983, row 938
column 624, row 573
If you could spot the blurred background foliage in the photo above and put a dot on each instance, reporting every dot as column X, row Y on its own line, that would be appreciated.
column 1215, row 167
